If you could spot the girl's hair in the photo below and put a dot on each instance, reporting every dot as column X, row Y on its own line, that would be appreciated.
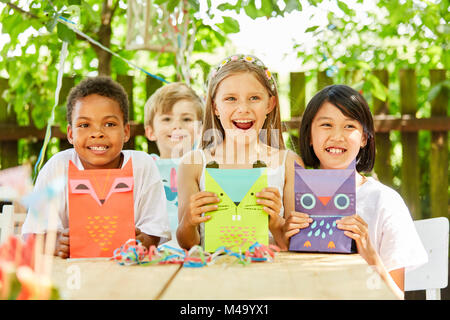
column 235, row 64
column 351, row 104
column 163, row 100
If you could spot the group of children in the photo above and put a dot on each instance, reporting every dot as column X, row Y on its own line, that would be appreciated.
column 236, row 126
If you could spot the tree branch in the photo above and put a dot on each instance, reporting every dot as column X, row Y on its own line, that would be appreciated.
column 114, row 7
column 14, row 7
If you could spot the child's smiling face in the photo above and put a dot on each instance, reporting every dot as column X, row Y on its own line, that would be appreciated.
column 242, row 103
column 178, row 127
column 335, row 138
column 98, row 132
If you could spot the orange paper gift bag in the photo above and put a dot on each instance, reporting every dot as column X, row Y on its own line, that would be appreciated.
column 101, row 210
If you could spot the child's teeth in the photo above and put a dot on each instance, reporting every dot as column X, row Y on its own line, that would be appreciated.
column 243, row 121
column 98, row 148
column 333, row 150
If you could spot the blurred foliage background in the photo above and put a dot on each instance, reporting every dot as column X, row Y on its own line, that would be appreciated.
column 356, row 38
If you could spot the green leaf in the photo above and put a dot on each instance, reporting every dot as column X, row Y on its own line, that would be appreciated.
column 15, row 287
column 50, row 25
column 363, row 65
column 87, row 9
column 330, row 16
column 74, row 2
column 292, row 5
column 203, row 64
column 166, row 59
column 172, row 4
column 196, row 5
column 311, row 29
column 14, row 25
column 73, row 10
column 377, row 88
column 65, row 34
column 226, row 6
column 229, row 25
column 345, row 8
column 119, row 66
column 54, row 294
column 434, row 91
column 446, row 84
column 206, row 67
column 266, row 7
column 250, row 10
column 358, row 86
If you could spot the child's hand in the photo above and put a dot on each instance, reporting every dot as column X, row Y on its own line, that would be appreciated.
column 199, row 204
column 356, row 228
column 271, row 202
column 295, row 222
column 62, row 248
column 145, row 239
column 139, row 235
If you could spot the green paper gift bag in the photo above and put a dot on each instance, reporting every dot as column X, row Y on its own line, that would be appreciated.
column 239, row 221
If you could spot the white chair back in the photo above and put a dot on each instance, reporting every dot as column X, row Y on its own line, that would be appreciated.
column 433, row 276
column 6, row 222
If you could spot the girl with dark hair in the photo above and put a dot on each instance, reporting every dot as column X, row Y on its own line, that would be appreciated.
column 336, row 129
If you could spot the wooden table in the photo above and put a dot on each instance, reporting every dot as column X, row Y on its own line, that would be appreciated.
column 107, row 280
column 290, row 276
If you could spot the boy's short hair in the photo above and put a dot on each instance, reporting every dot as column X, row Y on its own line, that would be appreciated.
column 103, row 86
column 164, row 98
column 352, row 104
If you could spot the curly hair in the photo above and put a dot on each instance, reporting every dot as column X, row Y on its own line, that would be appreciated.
column 103, row 86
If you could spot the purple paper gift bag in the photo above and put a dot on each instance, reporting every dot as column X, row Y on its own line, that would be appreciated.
column 326, row 195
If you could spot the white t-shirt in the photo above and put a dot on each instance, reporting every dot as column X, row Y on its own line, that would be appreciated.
column 150, row 214
column 391, row 228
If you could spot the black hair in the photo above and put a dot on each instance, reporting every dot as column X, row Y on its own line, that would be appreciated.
column 352, row 104
column 103, row 86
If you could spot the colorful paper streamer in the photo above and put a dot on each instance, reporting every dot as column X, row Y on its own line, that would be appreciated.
column 132, row 252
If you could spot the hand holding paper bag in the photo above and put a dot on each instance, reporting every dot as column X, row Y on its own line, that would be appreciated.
column 270, row 198
column 239, row 220
column 357, row 229
column 200, row 203
column 325, row 196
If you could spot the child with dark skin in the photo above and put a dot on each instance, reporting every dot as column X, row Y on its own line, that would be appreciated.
column 97, row 128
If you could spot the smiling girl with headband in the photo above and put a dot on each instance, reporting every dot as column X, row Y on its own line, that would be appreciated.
column 242, row 127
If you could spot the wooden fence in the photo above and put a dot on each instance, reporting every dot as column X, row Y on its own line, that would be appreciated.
column 407, row 124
